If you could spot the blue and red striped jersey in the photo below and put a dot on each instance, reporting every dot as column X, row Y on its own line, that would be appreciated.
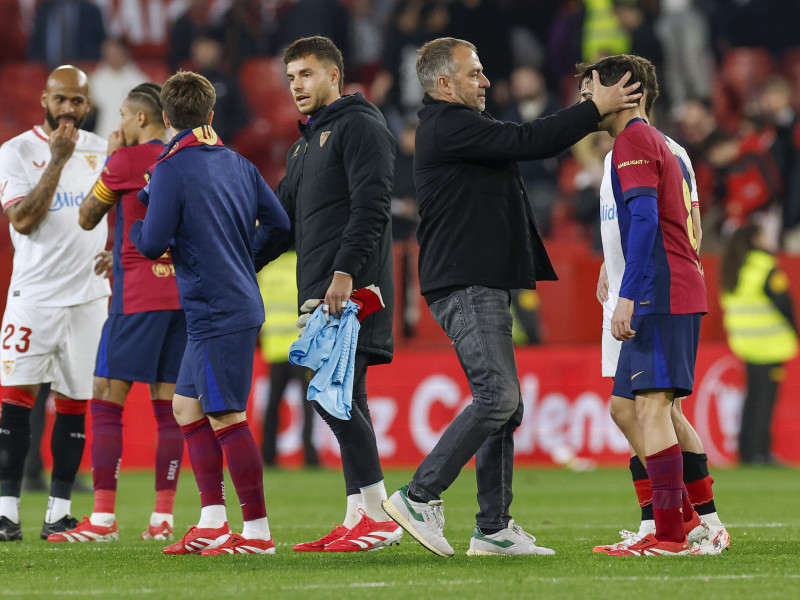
column 643, row 165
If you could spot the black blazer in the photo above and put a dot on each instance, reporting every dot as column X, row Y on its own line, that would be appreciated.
column 476, row 224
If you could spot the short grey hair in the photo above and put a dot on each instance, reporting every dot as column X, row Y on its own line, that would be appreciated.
column 436, row 59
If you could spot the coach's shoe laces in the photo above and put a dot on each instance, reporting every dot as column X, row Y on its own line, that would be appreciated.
column 511, row 540
column 424, row 521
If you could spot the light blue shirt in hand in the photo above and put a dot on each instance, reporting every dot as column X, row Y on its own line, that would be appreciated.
column 328, row 346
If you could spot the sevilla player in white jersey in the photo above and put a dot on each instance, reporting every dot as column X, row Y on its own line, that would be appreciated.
column 57, row 299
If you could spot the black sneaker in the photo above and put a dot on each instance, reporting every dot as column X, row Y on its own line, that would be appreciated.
column 63, row 524
column 9, row 531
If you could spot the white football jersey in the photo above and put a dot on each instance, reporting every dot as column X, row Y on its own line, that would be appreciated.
column 609, row 227
column 54, row 265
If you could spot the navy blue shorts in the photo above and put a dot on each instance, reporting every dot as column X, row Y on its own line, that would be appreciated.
column 218, row 370
column 145, row 347
column 661, row 356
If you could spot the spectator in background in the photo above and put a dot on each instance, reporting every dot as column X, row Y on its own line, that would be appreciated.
column 531, row 100
column 248, row 30
column 637, row 20
column 749, row 183
column 278, row 284
column 563, row 47
column 776, row 110
column 230, row 112
column 199, row 20
column 304, row 18
column 759, row 320
column 682, row 29
column 65, row 31
column 698, row 131
column 116, row 74
column 396, row 89
column 366, row 40
column 404, row 226
column 468, row 21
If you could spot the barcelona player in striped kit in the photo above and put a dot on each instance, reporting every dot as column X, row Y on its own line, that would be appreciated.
column 145, row 334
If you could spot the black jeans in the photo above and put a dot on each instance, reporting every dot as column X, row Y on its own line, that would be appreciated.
column 478, row 322
column 755, row 437
column 280, row 374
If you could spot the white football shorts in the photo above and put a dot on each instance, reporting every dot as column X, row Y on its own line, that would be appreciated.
column 611, row 348
column 57, row 345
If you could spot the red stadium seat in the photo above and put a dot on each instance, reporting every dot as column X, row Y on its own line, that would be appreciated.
column 155, row 69
column 746, row 70
column 22, row 84
column 263, row 82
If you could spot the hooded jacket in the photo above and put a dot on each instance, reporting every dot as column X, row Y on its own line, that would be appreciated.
column 337, row 193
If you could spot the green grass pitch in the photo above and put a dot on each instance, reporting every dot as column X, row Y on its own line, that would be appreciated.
column 568, row 511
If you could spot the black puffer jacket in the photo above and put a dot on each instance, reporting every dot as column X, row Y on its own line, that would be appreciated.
column 337, row 193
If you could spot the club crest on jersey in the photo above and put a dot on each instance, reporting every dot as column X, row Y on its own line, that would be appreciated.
column 162, row 270
column 323, row 137
column 92, row 160
column 8, row 367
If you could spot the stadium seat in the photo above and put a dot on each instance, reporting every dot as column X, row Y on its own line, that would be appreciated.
column 10, row 128
column 263, row 82
column 24, row 80
column 22, row 84
column 155, row 69
column 746, row 70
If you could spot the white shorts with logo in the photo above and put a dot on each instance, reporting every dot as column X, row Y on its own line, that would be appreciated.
column 611, row 348
column 56, row 345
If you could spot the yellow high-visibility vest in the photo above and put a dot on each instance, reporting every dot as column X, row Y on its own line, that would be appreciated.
column 602, row 33
column 758, row 332
column 278, row 284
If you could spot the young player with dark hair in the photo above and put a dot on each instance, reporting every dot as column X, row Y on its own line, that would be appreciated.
column 663, row 283
column 695, row 462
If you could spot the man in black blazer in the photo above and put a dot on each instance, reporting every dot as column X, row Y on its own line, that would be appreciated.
column 478, row 240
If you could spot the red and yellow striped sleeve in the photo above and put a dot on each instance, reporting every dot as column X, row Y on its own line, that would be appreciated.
column 102, row 192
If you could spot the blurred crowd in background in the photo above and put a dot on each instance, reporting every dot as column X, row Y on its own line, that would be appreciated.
column 729, row 74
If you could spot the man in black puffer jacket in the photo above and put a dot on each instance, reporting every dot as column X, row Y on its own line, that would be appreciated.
column 478, row 240
column 337, row 193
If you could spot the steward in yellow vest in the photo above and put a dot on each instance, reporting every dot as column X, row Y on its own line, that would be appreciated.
column 759, row 319
column 759, row 331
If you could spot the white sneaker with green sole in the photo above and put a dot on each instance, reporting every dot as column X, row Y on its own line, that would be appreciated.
column 424, row 521
column 511, row 540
